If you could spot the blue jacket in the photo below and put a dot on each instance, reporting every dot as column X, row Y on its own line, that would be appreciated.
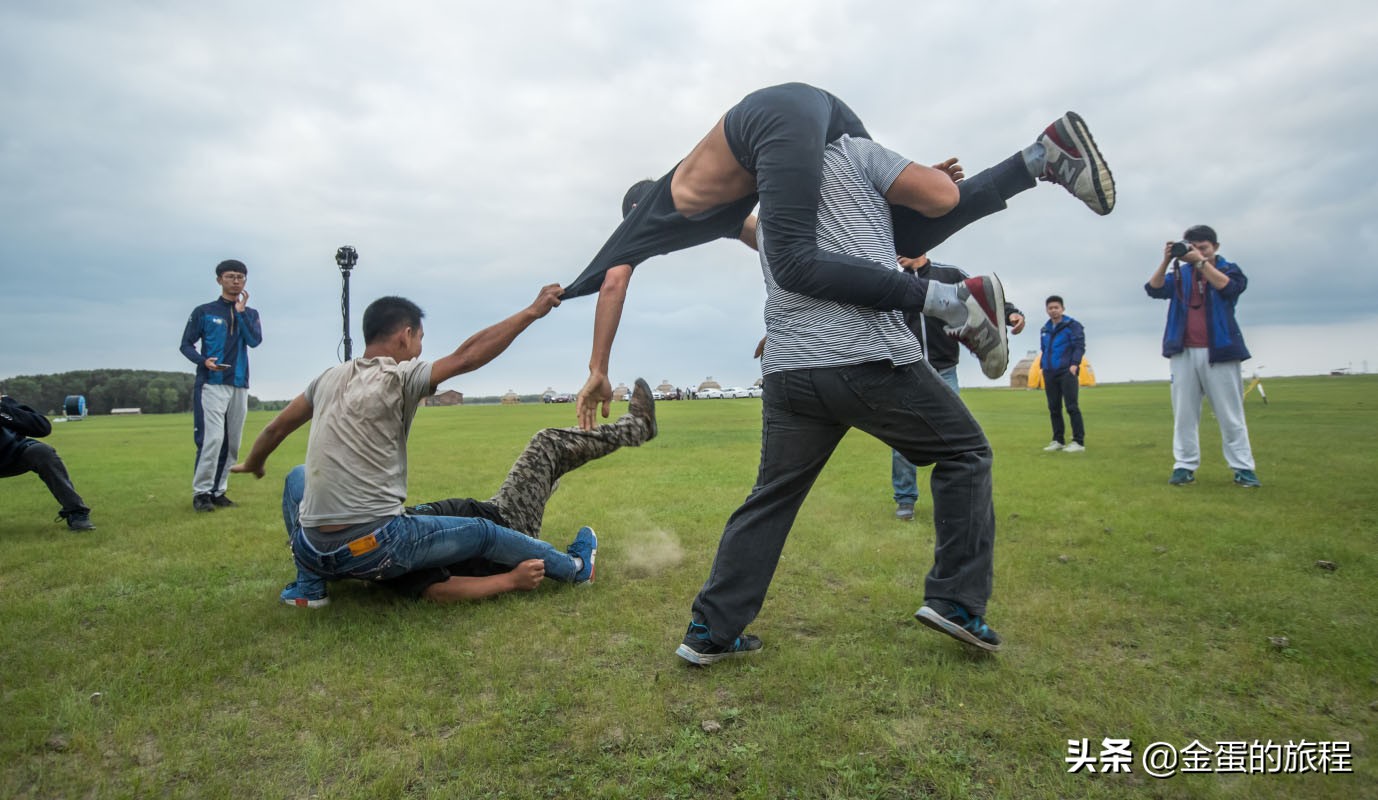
column 225, row 335
column 1226, row 343
column 1062, row 345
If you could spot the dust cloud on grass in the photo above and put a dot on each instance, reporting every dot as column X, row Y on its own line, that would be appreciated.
column 648, row 552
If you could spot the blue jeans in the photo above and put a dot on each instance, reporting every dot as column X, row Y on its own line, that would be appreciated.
column 903, row 475
column 407, row 543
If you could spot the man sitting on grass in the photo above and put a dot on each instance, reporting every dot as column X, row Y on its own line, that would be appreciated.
column 519, row 505
column 344, row 509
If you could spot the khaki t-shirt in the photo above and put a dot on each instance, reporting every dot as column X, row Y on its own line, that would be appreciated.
column 356, row 456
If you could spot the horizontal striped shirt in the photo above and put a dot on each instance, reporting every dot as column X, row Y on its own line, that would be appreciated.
column 805, row 332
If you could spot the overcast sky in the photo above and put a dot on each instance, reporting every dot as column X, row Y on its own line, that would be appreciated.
column 474, row 152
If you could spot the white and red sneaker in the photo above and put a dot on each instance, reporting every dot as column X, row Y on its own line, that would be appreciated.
column 1074, row 162
column 984, row 331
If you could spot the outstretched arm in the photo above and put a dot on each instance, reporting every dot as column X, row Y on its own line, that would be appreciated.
column 606, row 317
column 295, row 415
column 489, row 343
column 523, row 578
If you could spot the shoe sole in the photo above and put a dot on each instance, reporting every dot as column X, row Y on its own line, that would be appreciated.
column 1101, row 179
column 302, row 602
column 698, row 659
column 997, row 300
column 938, row 623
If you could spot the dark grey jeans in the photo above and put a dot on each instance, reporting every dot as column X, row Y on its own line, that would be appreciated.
column 1062, row 389
column 805, row 414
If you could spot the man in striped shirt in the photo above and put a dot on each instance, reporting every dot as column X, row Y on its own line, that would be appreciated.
column 768, row 147
column 831, row 366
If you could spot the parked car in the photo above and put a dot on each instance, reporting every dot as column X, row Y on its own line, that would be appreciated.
column 735, row 392
column 711, row 394
column 559, row 397
column 755, row 391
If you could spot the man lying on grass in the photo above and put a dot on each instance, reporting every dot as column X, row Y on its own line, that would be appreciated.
column 344, row 508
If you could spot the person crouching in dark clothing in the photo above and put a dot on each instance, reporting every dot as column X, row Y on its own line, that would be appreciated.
column 20, row 454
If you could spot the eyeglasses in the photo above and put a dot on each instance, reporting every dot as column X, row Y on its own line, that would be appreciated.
column 233, row 276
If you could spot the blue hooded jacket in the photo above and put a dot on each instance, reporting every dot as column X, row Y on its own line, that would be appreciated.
column 1062, row 345
column 1226, row 343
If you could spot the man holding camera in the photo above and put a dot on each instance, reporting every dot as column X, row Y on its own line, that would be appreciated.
column 226, row 328
column 20, row 454
column 1203, row 343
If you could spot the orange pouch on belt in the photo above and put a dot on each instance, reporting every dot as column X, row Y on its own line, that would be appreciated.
column 364, row 544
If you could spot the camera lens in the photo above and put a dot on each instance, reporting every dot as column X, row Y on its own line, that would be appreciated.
column 1179, row 249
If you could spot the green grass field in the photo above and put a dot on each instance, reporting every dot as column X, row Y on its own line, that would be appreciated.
column 151, row 659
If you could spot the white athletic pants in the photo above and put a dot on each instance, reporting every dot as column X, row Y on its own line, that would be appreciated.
column 219, row 420
column 1194, row 377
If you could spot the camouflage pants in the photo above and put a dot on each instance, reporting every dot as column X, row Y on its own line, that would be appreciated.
column 552, row 452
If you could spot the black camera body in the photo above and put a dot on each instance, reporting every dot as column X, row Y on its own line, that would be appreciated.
column 346, row 257
column 1180, row 249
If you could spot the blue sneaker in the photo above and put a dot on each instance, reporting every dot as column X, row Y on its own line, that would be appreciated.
column 293, row 596
column 585, row 546
column 1246, row 479
column 701, row 651
column 957, row 622
column 1181, row 477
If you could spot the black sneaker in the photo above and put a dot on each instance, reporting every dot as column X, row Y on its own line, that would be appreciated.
column 77, row 520
column 203, row 502
column 957, row 622
column 701, row 651
column 221, row 501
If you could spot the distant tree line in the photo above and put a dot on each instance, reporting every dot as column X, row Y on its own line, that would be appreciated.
column 153, row 392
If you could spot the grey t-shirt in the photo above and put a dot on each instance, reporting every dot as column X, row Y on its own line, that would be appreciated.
column 356, row 456
column 804, row 332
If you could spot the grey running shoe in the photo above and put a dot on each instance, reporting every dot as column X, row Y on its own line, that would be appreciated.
column 904, row 512
column 984, row 331
column 1074, row 162
column 1053, row 447
column 643, row 405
